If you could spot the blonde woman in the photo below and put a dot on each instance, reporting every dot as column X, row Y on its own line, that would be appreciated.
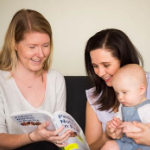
column 28, row 83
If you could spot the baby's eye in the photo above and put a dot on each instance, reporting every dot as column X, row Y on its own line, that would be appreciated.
column 124, row 92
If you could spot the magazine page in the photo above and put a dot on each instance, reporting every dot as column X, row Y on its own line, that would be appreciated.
column 29, row 120
column 77, row 139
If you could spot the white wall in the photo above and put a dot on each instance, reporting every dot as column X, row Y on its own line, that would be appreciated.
column 75, row 21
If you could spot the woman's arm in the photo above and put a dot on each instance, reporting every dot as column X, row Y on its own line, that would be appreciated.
column 93, row 129
column 10, row 141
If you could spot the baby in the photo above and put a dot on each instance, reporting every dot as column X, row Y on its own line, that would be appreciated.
column 129, row 83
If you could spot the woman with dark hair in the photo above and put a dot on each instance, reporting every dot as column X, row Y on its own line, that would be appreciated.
column 28, row 83
column 105, row 53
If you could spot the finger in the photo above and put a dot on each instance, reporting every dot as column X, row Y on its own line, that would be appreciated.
column 140, row 125
column 118, row 132
column 43, row 125
column 111, row 130
column 132, row 135
column 117, row 120
column 114, row 118
column 148, row 124
column 59, row 130
column 112, row 126
column 61, row 137
column 115, row 123
column 121, row 126
column 114, row 136
column 51, row 134
column 61, row 144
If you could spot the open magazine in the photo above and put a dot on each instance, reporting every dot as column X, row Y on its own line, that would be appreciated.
column 29, row 120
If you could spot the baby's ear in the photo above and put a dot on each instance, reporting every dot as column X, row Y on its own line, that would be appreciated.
column 142, row 89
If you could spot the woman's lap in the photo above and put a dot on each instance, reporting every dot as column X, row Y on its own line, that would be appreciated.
column 39, row 146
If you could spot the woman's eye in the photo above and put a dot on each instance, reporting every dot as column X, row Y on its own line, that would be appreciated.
column 124, row 92
column 94, row 66
column 106, row 66
column 31, row 47
column 46, row 45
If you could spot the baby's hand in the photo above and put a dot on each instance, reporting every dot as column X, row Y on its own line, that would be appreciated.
column 129, row 127
column 112, row 128
column 115, row 123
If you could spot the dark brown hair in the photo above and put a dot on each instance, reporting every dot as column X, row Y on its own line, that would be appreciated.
column 121, row 48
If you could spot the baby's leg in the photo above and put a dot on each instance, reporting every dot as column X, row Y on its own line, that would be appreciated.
column 110, row 145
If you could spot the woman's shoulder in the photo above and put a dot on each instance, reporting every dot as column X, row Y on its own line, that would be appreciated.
column 148, row 75
column 148, row 78
column 91, row 96
column 148, row 85
column 4, row 74
column 54, row 74
column 90, row 91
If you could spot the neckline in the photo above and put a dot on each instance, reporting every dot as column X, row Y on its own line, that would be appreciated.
column 24, row 99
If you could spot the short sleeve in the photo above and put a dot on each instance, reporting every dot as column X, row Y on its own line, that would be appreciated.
column 91, row 98
column 3, row 126
column 148, row 85
column 60, row 93
column 144, row 113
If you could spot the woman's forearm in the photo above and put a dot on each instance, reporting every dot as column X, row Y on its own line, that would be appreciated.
column 10, row 141
column 99, row 143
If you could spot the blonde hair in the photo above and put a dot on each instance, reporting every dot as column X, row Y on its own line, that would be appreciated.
column 24, row 21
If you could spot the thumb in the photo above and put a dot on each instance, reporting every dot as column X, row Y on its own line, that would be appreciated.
column 43, row 125
column 148, row 124
column 139, row 125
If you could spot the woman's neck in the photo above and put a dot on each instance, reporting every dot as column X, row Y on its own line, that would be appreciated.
column 23, row 72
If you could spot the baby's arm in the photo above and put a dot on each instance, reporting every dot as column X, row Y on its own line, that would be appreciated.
column 129, row 127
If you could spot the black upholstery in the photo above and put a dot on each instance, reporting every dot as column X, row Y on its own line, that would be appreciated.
column 76, row 97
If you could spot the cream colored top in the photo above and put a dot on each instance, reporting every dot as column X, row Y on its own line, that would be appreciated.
column 11, row 99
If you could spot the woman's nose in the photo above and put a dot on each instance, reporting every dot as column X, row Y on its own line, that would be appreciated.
column 40, row 52
column 101, row 72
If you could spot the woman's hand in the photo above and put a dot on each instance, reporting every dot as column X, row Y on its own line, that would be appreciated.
column 142, row 137
column 129, row 127
column 113, row 130
column 42, row 134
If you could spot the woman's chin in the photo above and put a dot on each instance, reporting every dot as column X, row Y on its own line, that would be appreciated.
column 109, row 84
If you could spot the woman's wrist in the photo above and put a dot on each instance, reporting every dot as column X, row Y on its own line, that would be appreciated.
column 30, row 138
column 107, row 136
